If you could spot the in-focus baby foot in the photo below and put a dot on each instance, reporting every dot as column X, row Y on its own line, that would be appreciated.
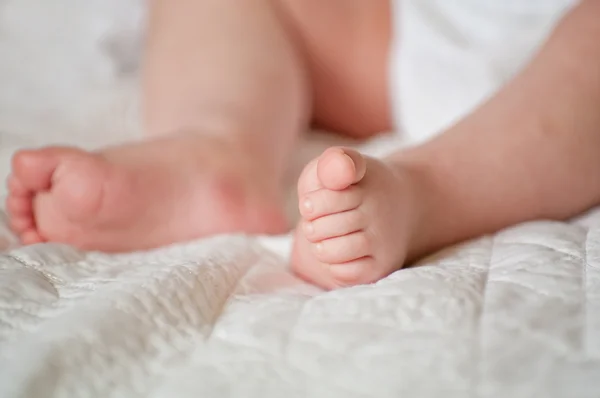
column 357, row 214
column 139, row 196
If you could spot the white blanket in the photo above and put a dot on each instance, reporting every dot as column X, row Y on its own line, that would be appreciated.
column 514, row 315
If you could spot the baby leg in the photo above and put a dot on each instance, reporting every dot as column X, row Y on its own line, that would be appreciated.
column 225, row 83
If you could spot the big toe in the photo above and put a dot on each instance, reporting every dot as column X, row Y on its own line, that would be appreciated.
column 338, row 168
column 34, row 168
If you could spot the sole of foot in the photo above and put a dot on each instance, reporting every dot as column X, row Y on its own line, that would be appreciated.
column 140, row 196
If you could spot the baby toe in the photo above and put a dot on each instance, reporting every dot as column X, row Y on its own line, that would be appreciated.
column 31, row 237
column 354, row 272
column 338, row 168
column 16, row 187
column 324, row 202
column 343, row 249
column 19, row 206
column 21, row 224
column 34, row 168
column 334, row 225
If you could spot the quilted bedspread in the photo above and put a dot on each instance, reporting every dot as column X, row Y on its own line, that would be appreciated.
column 512, row 315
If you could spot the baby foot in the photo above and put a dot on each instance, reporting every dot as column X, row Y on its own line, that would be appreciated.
column 357, row 217
column 141, row 195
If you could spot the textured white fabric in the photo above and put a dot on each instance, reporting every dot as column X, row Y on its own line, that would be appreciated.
column 449, row 56
column 512, row 315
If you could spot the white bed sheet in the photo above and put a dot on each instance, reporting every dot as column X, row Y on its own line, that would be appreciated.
column 514, row 315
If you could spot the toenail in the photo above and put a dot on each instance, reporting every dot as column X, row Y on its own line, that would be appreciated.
column 309, row 229
column 308, row 206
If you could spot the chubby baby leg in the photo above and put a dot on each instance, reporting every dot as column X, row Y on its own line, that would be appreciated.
column 224, row 83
